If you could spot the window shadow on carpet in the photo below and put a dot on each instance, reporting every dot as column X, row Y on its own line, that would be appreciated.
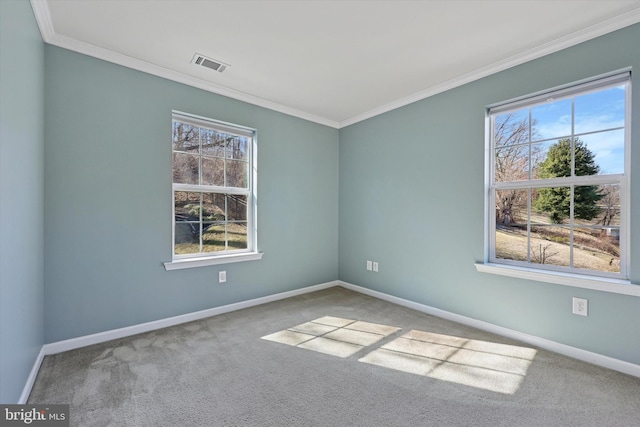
column 490, row 366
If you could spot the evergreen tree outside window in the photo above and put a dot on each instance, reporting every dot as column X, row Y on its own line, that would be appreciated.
column 556, row 201
column 558, row 181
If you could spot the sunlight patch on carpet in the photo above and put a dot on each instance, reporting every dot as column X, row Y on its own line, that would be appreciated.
column 490, row 366
column 335, row 336
column 486, row 365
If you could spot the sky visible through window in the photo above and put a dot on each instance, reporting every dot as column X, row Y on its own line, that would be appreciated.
column 557, row 175
column 601, row 112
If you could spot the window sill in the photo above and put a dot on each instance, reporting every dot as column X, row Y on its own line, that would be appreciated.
column 603, row 284
column 217, row 260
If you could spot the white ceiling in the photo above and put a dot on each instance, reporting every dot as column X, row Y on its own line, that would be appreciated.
column 332, row 62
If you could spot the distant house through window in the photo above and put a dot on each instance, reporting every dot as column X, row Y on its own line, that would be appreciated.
column 559, row 194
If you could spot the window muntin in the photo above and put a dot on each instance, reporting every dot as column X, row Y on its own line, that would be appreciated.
column 558, row 187
column 213, row 200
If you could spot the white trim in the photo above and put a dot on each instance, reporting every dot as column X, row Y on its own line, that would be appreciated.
column 79, row 342
column 43, row 18
column 49, row 36
column 203, row 188
column 227, row 256
column 579, row 277
column 603, row 284
column 100, row 337
column 566, row 350
column 179, row 264
column 213, row 124
column 565, row 91
column 31, row 379
column 591, row 32
column 625, row 188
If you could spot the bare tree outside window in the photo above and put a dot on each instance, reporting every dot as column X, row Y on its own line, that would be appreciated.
column 557, row 170
column 211, row 181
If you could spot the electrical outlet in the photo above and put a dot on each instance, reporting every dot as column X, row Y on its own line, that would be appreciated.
column 222, row 276
column 369, row 265
column 580, row 306
column 375, row 266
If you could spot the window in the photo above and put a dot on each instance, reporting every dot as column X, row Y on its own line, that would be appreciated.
column 213, row 190
column 558, row 187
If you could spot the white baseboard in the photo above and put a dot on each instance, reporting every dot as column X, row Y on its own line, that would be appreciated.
column 31, row 379
column 73, row 343
column 576, row 353
column 79, row 342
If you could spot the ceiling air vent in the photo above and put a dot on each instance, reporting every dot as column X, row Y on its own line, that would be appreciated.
column 209, row 63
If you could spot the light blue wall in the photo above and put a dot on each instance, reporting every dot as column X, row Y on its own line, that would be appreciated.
column 108, row 200
column 411, row 198
column 103, row 181
column 21, row 195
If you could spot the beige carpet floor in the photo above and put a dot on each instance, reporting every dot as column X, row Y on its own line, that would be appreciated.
column 331, row 358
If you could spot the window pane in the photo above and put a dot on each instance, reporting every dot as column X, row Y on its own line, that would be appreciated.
column 237, row 173
column 187, row 238
column 187, row 206
column 187, row 226
column 574, row 225
column 551, row 205
column 186, row 137
column 511, row 224
column 236, row 207
column 606, row 150
column 212, row 171
column 511, row 243
column 511, row 128
column 206, row 156
column 609, row 204
column 213, row 238
column 539, row 153
column 550, row 242
column 551, row 245
column 511, row 207
column 237, row 235
column 213, row 207
column 512, row 163
column 557, row 159
column 237, row 148
column 585, row 163
column 597, row 247
column 604, row 109
column 551, row 120
column 213, row 143
column 586, row 205
column 185, row 168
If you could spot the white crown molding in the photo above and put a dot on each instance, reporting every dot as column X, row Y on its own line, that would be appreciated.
column 597, row 30
column 47, row 30
column 43, row 17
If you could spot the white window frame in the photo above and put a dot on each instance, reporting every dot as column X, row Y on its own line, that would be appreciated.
column 180, row 261
column 610, row 282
